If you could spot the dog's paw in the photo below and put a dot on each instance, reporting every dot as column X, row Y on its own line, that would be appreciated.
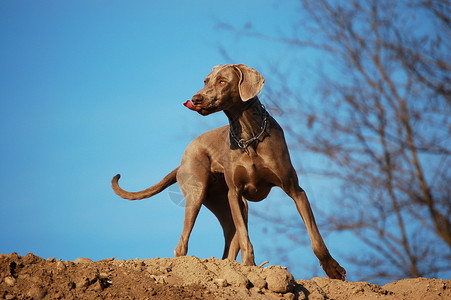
column 248, row 260
column 180, row 250
column 333, row 269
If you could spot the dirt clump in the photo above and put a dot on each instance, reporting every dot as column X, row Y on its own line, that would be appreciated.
column 32, row 277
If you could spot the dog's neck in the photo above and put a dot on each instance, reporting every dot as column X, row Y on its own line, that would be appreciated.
column 246, row 122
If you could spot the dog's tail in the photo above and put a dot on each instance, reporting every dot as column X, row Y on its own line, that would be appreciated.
column 153, row 190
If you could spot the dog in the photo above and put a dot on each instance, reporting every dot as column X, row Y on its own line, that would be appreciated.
column 228, row 166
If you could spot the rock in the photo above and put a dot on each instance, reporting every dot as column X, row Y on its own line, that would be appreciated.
column 256, row 280
column 30, row 258
column 98, row 285
column 279, row 280
column 36, row 292
column 221, row 282
column 159, row 279
column 85, row 281
column 288, row 296
column 69, row 263
column 107, row 259
column 71, row 285
column 51, row 259
column 9, row 280
column 83, row 260
column 316, row 296
column 60, row 266
column 164, row 269
column 235, row 278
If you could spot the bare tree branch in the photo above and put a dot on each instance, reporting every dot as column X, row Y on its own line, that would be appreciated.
column 380, row 118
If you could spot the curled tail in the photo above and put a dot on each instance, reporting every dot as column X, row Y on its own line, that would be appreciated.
column 153, row 190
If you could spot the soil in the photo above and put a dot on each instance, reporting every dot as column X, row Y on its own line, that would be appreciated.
column 32, row 277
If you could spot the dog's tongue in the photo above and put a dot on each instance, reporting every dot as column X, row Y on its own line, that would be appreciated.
column 191, row 106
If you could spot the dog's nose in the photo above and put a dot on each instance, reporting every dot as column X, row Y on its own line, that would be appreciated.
column 197, row 99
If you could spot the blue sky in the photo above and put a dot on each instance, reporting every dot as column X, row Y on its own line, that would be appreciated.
column 89, row 89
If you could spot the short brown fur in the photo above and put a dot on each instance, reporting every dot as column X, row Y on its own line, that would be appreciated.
column 222, row 172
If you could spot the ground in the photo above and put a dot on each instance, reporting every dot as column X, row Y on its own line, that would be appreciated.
column 32, row 277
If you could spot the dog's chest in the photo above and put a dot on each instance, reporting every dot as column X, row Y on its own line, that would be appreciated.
column 254, row 178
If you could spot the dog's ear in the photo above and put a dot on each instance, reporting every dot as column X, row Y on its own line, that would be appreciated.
column 251, row 82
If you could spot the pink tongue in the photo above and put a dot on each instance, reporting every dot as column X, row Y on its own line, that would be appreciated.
column 191, row 106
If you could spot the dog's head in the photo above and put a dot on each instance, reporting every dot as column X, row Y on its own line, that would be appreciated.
column 226, row 88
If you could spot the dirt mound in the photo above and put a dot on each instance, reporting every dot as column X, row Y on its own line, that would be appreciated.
column 32, row 277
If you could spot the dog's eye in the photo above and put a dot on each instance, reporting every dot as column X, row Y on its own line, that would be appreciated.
column 221, row 81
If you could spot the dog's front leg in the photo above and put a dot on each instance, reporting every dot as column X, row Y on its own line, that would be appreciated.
column 239, row 210
column 330, row 265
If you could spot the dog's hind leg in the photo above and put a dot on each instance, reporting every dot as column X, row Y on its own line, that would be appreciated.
column 218, row 203
column 194, row 187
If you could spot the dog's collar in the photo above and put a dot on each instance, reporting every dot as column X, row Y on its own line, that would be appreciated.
column 242, row 143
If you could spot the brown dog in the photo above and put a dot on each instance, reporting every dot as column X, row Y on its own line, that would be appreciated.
column 224, row 167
